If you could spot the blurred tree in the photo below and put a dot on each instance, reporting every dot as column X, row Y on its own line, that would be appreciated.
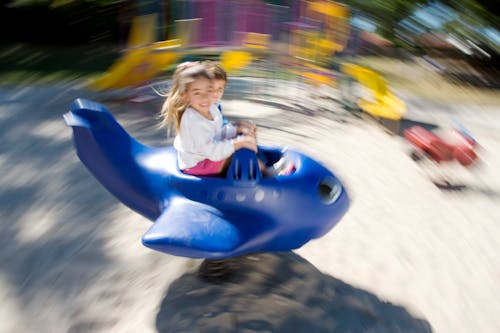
column 471, row 22
column 88, row 14
column 486, row 10
column 386, row 13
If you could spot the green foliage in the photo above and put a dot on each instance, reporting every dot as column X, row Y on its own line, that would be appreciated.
column 484, row 10
column 385, row 13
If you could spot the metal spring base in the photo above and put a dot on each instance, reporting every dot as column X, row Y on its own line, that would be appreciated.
column 218, row 270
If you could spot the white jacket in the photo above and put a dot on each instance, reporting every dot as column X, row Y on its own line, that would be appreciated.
column 199, row 138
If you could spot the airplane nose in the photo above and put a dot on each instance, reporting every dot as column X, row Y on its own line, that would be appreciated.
column 329, row 190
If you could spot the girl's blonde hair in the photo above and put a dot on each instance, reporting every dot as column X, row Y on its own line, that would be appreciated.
column 176, row 103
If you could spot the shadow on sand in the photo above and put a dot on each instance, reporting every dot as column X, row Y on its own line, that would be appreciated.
column 448, row 186
column 278, row 293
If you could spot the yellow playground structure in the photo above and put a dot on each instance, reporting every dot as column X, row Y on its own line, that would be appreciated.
column 144, row 58
column 316, row 30
column 315, row 41
column 383, row 103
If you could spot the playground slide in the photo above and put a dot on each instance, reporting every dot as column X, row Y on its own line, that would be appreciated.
column 142, row 60
column 386, row 105
column 139, row 65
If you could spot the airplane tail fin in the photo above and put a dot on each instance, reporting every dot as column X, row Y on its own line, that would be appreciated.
column 111, row 155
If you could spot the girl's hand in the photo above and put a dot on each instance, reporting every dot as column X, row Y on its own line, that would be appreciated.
column 247, row 127
column 245, row 141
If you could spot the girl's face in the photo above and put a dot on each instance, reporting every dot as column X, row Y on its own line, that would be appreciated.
column 199, row 94
column 218, row 90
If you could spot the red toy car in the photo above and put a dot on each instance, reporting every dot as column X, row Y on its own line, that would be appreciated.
column 455, row 145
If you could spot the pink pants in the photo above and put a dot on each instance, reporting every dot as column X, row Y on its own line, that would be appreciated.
column 205, row 168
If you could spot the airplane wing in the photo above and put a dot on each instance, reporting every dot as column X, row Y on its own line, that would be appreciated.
column 192, row 229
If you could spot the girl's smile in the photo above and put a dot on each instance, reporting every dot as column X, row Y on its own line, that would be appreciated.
column 199, row 95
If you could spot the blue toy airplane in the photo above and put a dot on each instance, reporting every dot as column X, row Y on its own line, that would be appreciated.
column 208, row 217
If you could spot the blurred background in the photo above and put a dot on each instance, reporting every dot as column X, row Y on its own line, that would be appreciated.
column 407, row 257
column 67, row 39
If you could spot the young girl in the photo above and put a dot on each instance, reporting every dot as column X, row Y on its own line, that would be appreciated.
column 219, row 85
column 204, row 146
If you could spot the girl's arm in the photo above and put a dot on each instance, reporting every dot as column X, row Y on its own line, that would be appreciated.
column 231, row 130
column 228, row 131
column 198, row 139
column 216, row 150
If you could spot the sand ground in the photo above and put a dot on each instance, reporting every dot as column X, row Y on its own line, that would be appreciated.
column 407, row 257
